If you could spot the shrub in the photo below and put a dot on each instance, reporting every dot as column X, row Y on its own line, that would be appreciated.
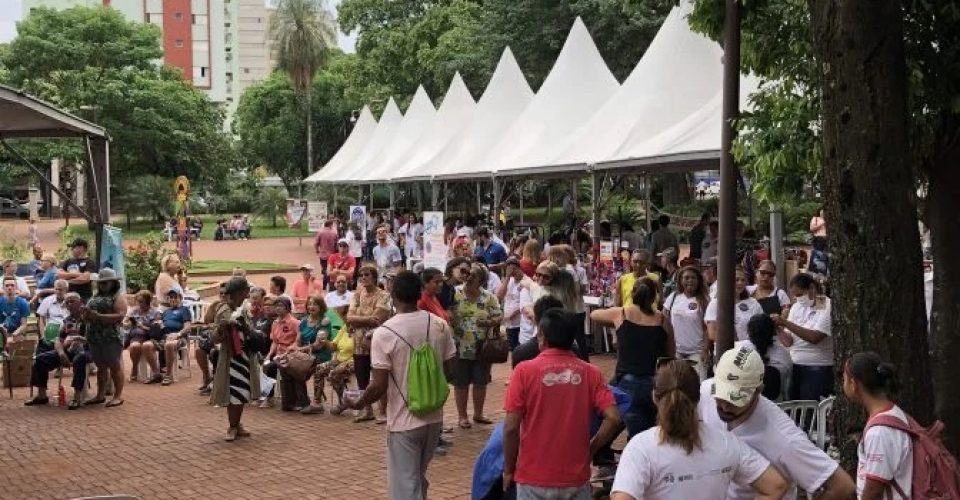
column 143, row 262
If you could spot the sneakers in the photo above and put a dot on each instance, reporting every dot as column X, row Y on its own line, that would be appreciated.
column 231, row 434
column 266, row 403
column 167, row 380
column 312, row 409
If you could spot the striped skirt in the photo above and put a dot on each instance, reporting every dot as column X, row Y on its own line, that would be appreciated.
column 239, row 379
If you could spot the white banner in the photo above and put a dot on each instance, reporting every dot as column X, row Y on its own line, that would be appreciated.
column 295, row 210
column 358, row 216
column 316, row 214
column 434, row 248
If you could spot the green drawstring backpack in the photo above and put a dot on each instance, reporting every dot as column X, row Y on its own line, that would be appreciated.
column 427, row 388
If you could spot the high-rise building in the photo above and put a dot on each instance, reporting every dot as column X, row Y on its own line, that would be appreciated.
column 220, row 45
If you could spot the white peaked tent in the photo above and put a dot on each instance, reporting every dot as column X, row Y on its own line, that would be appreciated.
column 417, row 120
column 389, row 121
column 507, row 94
column 455, row 112
column 578, row 84
column 668, row 111
column 362, row 131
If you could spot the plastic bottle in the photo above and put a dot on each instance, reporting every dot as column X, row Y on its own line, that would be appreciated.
column 61, row 397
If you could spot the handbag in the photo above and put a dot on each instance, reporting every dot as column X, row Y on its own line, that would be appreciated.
column 494, row 350
column 297, row 365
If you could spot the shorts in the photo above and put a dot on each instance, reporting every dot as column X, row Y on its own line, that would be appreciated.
column 530, row 492
column 471, row 372
column 107, row 353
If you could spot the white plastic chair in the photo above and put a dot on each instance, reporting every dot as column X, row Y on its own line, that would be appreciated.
column 820, row 436
column 804, row 414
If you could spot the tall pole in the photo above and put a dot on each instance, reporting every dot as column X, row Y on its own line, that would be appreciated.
column 479, row 201
column 446, row 196
column 646, row 201
column 496, row 205
column 726, row 255
column 776, row 244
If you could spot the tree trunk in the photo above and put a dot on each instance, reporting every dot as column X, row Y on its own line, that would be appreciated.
column 870, row 200
column 676, row 189
column 943, row 216
column 309, row 108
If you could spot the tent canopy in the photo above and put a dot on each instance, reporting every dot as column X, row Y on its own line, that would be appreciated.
column 389, row 121
column 362, row 131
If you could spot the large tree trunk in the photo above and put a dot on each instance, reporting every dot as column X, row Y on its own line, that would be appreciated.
column 875, row 272
column 676, row 189
column 943, row 217
column 309, row 108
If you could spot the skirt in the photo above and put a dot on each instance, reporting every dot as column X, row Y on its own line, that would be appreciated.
column 240, row 379
column 106, row 353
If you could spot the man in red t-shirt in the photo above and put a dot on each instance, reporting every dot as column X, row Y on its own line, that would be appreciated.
column 555, row 397
column 341, row 263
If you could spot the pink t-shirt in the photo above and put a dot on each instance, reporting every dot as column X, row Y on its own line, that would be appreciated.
column 284, row 333
column 302, row 290
column 326, row 242
column 390, row 352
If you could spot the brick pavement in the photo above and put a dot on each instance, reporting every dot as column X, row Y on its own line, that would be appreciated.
column 166, row 442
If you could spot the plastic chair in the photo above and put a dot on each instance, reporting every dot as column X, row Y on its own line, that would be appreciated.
column 804, row 414
column 820, row 435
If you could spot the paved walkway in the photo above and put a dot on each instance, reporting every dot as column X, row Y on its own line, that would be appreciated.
column 166, row 442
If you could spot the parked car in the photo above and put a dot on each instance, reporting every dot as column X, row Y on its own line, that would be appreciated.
column 11, row 208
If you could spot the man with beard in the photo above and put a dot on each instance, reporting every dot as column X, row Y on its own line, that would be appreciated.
column 733, row 401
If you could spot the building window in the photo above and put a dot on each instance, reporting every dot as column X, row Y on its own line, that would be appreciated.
column 203, row 71
column 178, row 43
column 178, row 16
column 246, row 70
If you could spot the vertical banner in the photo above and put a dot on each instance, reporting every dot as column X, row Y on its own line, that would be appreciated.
column 316, row 214
column 606, row 251
column 111, row 254
column 434, row 248
column 358, row 216
column 295, row 210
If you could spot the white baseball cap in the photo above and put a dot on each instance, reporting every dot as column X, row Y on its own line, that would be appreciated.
column 738, row 375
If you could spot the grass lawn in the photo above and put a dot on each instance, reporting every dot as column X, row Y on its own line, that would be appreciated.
column 226, row 266
column 141, row 228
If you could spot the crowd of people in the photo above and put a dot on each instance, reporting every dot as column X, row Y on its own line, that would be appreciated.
column 698, row 424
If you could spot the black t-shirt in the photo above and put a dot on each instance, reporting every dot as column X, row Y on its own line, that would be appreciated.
column 446, row 296
column 84, row 265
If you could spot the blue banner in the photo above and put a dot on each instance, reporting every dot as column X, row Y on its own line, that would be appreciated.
column 111, row 254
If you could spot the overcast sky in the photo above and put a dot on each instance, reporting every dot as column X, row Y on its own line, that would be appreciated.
column 10, row 11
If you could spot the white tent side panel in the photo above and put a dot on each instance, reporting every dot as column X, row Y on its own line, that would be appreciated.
column 508, row 93
column 416, row 121
column 385, row 132
column 578, row 84
column 452, row 117
column 361, row 134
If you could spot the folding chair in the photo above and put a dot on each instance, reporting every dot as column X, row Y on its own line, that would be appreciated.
column 804, row 414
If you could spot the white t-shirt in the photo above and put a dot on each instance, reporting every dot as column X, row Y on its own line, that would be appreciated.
column 886, row 455
column 52, row 310
column 493, row 282
column 334, row 299
column 355, row 245
column 774, row 435
column 803, row 352
column 713, row 291
column 511, row 304
column 528, row 329
column 743, row 310
column 686, row 316
column 649, row 470
column 22, row 287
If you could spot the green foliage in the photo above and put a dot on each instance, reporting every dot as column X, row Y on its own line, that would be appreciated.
column 94, row 63
column 271, row 203
column 11, row 248
column 143, row 262
column 149, row 196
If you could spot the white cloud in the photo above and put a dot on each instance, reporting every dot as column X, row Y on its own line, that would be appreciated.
column 9, row 15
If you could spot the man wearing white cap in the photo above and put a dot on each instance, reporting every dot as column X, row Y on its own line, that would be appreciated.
column 732, row 400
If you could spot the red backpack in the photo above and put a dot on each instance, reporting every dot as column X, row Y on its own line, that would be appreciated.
column 935, row 473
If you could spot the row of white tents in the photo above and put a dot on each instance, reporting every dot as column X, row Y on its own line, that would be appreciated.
column 665, row 116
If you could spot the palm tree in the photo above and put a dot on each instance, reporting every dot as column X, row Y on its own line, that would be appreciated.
column 302, row 32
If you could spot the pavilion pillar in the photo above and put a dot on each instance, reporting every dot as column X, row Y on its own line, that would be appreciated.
column 776, row 244
column 594, row 206
column 726, row 256
column 646, row 201
column 434, row 195
column 496, row 204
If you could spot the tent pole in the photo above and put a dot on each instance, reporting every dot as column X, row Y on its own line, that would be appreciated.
column 574, row 194
column 496, row 204
column 335, row 207
column 646, row 200
column 393, row 204
column 446, row 196
column 371, row 199
column 776, row 244
column 434, row 195
column 594, row 206
column 479, row 200
column 522, row 185
column 728, row 179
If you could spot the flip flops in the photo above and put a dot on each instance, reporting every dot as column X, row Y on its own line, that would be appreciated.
column 113, row 402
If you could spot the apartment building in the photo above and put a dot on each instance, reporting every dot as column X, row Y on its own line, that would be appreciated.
column 221, row 46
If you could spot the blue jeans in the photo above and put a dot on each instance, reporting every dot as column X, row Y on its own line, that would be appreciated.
column 642, row 414
column 811, row 382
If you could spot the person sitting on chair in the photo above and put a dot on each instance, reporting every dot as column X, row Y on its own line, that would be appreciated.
column 176, row 321
column 140, row 320
column 69, row 349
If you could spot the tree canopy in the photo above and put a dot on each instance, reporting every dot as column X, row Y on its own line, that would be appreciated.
column 97, row 65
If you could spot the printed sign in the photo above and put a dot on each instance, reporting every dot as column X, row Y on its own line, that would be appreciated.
column 295, row 210
column 111, row 254
column 358, row 216
column 606, row 251
column 434, row 248
column 316, row 214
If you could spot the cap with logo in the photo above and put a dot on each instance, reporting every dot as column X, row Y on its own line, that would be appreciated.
column 738, row 375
